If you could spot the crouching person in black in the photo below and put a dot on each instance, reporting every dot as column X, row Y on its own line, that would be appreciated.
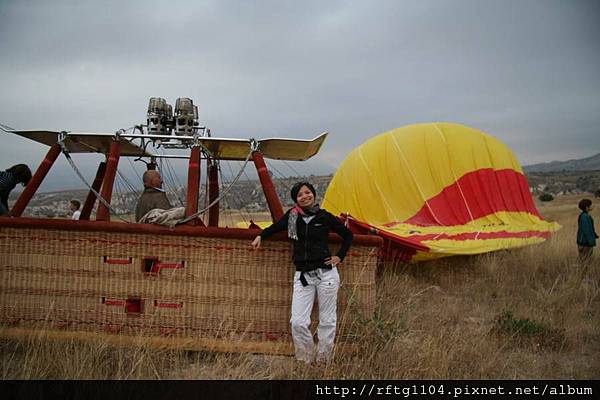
column 16, row 174
column 316, row 270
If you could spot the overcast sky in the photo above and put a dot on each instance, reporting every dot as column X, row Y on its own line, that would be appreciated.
column 527, row 72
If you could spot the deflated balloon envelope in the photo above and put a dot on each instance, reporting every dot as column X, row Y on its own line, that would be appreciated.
column 438, row 189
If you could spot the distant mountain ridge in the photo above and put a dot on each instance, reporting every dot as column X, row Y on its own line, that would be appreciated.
column 583, row 164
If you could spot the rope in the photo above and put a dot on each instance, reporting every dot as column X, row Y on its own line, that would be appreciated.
column 226, row 201
column 78, row 173
column 168, row 180
column 221, row 195
column 293, row 169
column 127, row 185
column 134, row 170
column 282, row 178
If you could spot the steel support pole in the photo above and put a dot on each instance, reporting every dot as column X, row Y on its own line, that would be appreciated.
column 90, row 200
column 103, row 213
column 267, row 184
column 36, row 181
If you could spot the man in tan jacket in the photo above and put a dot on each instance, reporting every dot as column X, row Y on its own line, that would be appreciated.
column 153, row 196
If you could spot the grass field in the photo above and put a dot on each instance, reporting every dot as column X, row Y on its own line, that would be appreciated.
column 520, row 314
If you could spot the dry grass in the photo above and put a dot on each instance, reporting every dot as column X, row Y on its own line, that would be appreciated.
column 522, row 314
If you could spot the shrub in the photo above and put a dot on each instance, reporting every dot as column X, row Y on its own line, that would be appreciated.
column 525, row 330
column 546, row 197
column 507, row 323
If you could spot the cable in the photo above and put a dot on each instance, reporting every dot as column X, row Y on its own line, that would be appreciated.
column 168, row 179
column 227, row 206
column 283, row 177
column 78, row 173
column 134, row 170
column 293, row 169
column 127, row 185
column 221, row 195
column 223, row 185
column 173, row 173
column 250, row 214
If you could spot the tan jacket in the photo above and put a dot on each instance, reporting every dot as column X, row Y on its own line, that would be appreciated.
column 150, row 199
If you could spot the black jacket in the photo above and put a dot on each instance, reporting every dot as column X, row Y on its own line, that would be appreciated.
column 7, row 183
column 311, row 249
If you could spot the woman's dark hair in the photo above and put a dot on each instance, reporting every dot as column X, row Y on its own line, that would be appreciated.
column 296, row 189
column 76, row 203
column 21, row 172
column 585, row 204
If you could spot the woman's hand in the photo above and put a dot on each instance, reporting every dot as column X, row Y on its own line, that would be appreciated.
column 256, row 242
column 333, row 261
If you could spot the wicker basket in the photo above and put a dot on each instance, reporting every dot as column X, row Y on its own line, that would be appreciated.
column 193, row 288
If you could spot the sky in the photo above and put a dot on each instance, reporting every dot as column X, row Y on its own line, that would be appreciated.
column 524, row 71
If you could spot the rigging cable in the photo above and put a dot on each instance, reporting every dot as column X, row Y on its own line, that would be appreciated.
column 250, row 214
column 78, row 173
column 243, row 207
column 221, row 195
column 168, row 180
column 134, row 170
column 168, row 173
column 293, row 169
column 227, row 200
column 282, row 178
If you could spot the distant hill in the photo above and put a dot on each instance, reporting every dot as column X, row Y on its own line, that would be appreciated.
column 583, row 164
column 244, row 195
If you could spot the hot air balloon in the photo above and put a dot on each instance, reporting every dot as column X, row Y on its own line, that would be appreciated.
column 437, row 189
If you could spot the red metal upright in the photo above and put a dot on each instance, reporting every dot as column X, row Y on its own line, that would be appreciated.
column 213, row 193
column 103, row 213
column 90, row 200
column 193, row 192
column 268, row 187
column 36, row 180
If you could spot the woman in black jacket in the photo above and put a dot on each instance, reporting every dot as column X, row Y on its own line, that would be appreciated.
column 316, row 270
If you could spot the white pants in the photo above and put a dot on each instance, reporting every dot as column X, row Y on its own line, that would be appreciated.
column 325, row 283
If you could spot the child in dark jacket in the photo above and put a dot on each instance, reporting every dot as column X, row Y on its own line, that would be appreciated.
column 586, row 234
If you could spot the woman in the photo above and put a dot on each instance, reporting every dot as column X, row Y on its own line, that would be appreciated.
column 19, row 173
column 586, row 234
column 316, row 270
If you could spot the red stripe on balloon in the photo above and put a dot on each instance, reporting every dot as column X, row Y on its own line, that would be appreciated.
column 484, row 192
column 481, row 236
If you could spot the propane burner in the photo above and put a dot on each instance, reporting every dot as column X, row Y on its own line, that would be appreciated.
column 161, row 121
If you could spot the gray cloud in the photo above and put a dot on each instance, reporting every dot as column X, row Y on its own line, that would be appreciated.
column 523, row 71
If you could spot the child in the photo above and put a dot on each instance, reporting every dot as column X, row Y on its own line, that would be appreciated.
column 586, row 234
column 74, row 207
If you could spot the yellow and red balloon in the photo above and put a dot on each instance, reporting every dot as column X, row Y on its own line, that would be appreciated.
column 438, row 189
